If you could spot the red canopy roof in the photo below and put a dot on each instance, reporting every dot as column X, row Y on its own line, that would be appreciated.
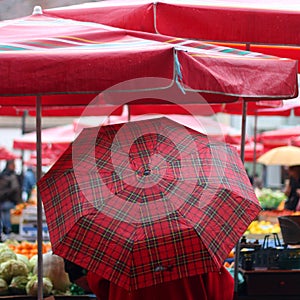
column 279, row 137
column 266, row 26
column 42, row 55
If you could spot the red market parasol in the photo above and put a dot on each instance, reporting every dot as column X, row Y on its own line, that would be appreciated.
column 279, row 137
column 5, row 154
column 262, row 26
column 295, row 141
column 48, row 158
column 147, row 202
column 205, row 20
column 288, row 107
column 54, row 138
column 236, row 108
column 206, row 125
column 252, row 150
column 187, row 109
column 60, row 111
column 220, row 74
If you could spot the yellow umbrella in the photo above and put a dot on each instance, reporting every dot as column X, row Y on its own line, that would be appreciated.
column 285, row 155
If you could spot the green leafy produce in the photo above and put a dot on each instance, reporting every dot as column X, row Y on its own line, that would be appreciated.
column 270, row 199
column 76, row 289
column 32, row 286
column 12, row 268
column 6, row 254
column 33, row 261
column 25, row 260
column 18, row 285
column 3, row 287
column 4, row 246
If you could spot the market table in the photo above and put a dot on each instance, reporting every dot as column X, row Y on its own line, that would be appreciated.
column 263, row 283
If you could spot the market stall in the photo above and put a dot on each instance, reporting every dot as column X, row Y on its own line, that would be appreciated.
column 40, row 77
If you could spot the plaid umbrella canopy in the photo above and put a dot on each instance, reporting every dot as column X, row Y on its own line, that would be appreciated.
column 147, row 202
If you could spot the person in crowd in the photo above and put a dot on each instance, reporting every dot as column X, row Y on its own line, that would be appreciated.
column 10, row 194
column 257, row 182
column 29, row 182
column 249, row 176
column 292, row 188
column 207, row 286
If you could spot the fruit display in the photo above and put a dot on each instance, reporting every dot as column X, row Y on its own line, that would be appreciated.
column 262, row 227
column 17, row 211
column 18, row 270
column 27, row 248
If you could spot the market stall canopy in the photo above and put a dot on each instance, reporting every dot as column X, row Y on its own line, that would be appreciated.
column 49, row 157
column 55, row 139
column 279, row 137
column 204, row 124
column 285, row 156
column 285, row 110
column 268, row 26
column 5, row 154
column 88, row 58
column 166, row 109
column 236, row 108
column 252, row 150
column 295, row 141
column 201, row 110
column 61, row 111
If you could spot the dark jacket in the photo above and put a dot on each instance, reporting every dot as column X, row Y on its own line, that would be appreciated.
column 9, row 188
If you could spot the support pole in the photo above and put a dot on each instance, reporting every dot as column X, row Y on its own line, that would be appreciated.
column 24, row 115
column 255, row 143
column 39, row 201
column 237, row 247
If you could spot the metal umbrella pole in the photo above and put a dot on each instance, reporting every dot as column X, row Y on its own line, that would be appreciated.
column 237, row 247
column 255, row 143
column 24, row 115
column 39, row 201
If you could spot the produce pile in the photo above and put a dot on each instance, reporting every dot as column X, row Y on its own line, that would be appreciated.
column 270, row 199
column 262, row 227
column 27, row 248
column 18, row 272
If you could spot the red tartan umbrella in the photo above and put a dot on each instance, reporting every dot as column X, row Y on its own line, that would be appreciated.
column 147, row 202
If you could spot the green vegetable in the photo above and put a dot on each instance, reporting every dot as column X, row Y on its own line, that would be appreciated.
column 33, row 261
column 25, row 260
column 18, row 285
column 4, row 246
column 12, row 268
column 3, row 287
column 76, row 289
column 6, row 254
column 32, row 286
column 270, row 199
